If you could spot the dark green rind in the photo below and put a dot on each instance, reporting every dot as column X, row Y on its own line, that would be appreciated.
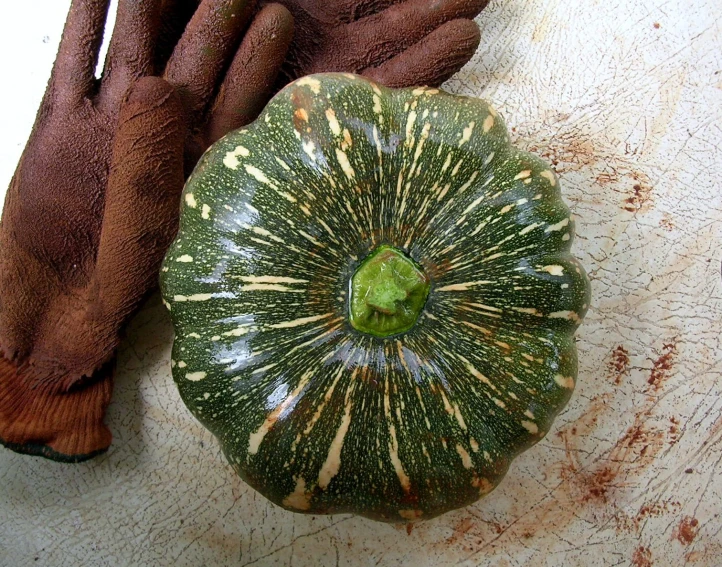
column 394, row 429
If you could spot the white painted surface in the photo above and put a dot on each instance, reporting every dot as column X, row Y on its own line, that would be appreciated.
column 618, row 93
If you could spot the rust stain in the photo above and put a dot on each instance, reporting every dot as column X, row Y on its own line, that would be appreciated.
column 641, row 198
column 662, row 366
column 461, row 528
column 642, row 557
column 619, row 364
column 568, row 151
column 471, row 533
column 634, row 523
column 712, row 549
column 667, row 223
column 607, row 177
column 674, row 430
column 634, row 450
column 687, row 530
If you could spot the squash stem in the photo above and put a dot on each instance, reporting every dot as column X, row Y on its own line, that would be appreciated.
column 388, row 293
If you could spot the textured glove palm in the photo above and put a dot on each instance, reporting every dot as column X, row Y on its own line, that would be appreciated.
column 93, row 204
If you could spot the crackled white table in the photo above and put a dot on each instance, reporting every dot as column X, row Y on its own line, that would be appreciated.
column 625, row 99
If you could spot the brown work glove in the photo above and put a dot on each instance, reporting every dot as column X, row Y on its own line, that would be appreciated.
column 398, row 43
column 94, row 201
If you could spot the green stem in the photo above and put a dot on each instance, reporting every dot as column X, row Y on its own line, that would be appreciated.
column 388, row 292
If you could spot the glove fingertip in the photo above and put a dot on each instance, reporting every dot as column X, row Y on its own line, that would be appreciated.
column 249, row 81
column 432, row 60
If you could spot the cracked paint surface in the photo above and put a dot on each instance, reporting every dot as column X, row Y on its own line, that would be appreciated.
column 625, row 99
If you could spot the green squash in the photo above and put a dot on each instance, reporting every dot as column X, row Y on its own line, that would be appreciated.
column 373, row 299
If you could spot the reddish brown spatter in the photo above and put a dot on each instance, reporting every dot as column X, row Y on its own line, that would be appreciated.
column 640, row 199
column 662, row 366
column 587, row 485
column 642, row 557
column 619, row 364
column 632, row 524
column 607, row 177
column 673, row 429
column 409, row 528
column 667, row 222
column 687, row 530
column 599, row 483
column 461, row 528
column 633, row 451
column 656, row 25
column 707, row 555
column 567, row 151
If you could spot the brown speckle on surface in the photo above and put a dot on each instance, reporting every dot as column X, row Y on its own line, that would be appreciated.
column 667, row 223
column 642, row 557
column 569, row 151
column 640, row 199
column 673, row 429
column 634, row 450
column 687, row 530
column 633, row 524
column 461, row 528
column 607, row 177
column 619, row 364
column 662, row 366
column 656, row 25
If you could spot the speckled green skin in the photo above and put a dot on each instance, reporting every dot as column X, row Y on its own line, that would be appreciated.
column 316, row 416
